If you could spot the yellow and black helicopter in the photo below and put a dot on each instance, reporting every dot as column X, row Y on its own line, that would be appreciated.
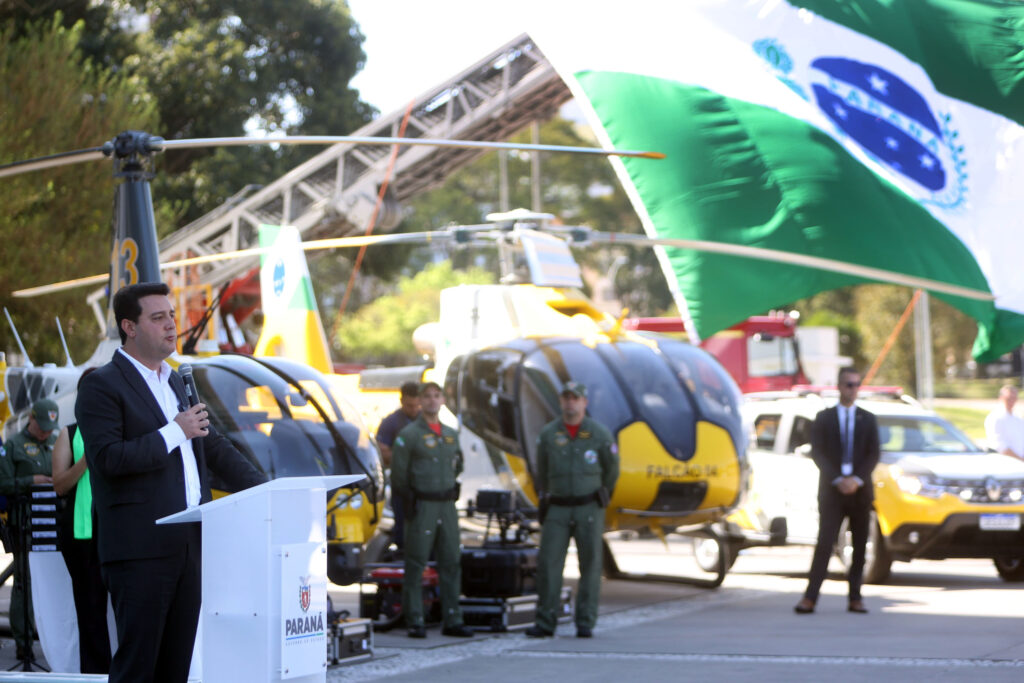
column 503, row 352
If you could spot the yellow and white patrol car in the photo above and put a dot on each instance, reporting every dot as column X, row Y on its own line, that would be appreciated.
column 937, row 494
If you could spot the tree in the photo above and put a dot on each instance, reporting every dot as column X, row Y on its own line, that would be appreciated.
column 381, row 332
column 879, row 308
column 178, row 68
column 214, row 67
column 56, row 222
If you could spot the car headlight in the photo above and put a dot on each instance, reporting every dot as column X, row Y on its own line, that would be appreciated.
column 909, row 483
column 356, row 501
column 919, row 485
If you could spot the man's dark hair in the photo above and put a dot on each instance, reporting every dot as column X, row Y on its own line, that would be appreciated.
column 849, row 369
column 127, row 306
column 410, row 390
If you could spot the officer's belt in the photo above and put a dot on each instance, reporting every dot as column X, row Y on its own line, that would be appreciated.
column 450, row 494
column 573, row 501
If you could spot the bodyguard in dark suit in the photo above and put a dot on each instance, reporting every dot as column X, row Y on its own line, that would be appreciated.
column 844, row 446
column 148, row 455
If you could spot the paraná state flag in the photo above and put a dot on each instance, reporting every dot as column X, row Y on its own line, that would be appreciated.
column 880, row 134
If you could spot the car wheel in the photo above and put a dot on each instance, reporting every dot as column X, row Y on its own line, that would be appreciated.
column 1010, row 569
column 705, row 552
column 877, row 562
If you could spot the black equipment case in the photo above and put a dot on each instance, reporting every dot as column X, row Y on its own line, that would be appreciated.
column 350, row 640
column 499, row 570
column 503, row 614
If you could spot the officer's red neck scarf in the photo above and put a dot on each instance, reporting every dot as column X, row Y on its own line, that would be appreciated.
column 435, row 427
column 572, row 429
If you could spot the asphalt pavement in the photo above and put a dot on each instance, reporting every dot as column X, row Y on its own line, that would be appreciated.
column 946, row 621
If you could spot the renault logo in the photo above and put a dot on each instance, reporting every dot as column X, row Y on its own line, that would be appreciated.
column 993, row 489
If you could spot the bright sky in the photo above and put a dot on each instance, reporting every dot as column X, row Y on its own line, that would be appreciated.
column 413, row 45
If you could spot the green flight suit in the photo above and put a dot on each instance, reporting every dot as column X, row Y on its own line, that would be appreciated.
column 570, row 471
column 424, row 468
column 24, row 457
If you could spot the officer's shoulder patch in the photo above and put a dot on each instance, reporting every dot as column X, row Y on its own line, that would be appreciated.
column 614, row 448
column 399, row 441
column 2, row 452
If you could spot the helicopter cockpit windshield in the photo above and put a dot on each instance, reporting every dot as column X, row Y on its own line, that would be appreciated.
column 279, row 425
column 669, row 386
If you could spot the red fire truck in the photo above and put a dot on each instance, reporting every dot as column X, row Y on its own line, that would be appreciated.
column 760, row 353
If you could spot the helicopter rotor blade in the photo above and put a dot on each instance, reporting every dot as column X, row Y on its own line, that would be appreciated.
column 424, row 142
column 62, row 159
column 331, row 243
column 147, row 144
column 791, row 258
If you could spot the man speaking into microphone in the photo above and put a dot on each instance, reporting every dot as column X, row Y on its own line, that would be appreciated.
column 149, row 446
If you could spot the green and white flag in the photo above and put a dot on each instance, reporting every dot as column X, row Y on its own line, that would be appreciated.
column 883, row 134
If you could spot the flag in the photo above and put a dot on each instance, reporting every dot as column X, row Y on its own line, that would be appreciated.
column 292, row 327
column 879, row 134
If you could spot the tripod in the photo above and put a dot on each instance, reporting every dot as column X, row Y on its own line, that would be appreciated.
column 22, row 522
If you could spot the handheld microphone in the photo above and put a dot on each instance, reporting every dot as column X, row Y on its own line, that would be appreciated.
column 191, row 393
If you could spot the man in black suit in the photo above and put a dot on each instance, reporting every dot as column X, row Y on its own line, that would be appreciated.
column 844, row 446
column 148, row 454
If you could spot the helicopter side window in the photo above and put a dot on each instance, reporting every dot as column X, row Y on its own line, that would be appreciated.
column 236, row 411
column 538, row 405
column 489, row 401
column 451, row 385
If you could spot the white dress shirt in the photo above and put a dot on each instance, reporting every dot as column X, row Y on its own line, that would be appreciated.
column 159, row 384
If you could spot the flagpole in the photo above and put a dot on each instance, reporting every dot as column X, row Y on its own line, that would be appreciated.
column 923, row 351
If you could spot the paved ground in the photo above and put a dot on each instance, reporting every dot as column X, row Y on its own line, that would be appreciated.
column 950, row 621
column 942, row 621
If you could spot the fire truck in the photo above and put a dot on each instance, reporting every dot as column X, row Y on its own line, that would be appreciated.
column 761, row 353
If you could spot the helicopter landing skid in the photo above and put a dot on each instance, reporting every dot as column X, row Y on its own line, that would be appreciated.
column 612, row 571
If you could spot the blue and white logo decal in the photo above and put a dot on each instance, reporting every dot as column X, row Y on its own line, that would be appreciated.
column 886, row 117
column 279, row 277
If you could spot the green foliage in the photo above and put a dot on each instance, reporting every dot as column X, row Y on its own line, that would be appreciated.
column 77, row 72
column 879, row 308
column 56, row 223
column 381, row 332
column 214, row 66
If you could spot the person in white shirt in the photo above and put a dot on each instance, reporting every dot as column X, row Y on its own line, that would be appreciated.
column 149, row 455
column 1003, row 429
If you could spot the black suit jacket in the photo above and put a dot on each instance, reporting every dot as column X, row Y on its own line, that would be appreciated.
column 135, row 481
column 827, row 452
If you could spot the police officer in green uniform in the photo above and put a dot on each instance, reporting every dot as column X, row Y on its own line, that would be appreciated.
column 577, row 466
column 26, row 461
column 425, row 461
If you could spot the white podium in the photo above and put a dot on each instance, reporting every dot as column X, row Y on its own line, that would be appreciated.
column 264, row 615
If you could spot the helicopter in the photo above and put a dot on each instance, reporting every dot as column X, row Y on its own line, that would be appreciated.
column 502, row 353
column 277, row 413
